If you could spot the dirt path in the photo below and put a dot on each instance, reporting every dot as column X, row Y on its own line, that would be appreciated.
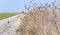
column 10, row 25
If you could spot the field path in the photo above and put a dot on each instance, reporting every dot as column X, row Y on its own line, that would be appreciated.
column 10, row 25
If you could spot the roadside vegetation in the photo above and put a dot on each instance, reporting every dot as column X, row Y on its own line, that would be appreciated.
column 41, row 20
column 6, row 15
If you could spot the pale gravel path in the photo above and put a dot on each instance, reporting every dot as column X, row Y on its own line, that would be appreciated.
column 11, row 27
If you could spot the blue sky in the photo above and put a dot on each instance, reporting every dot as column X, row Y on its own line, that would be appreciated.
column 18, row 5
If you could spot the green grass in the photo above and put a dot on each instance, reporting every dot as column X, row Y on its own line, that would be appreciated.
column 6, row 15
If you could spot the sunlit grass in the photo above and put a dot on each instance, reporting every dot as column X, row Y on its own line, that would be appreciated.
column 6, row 15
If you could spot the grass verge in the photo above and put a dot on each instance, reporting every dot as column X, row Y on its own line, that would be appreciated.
column 6, row 15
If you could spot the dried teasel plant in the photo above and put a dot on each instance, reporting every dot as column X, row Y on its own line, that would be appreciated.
column 40, row 22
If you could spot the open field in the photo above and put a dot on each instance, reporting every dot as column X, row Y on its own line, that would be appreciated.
column 6, row 15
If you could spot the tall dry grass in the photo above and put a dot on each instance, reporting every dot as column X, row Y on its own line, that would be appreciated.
column 40, row 21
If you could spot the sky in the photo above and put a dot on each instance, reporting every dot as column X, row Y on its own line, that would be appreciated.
column 18, row 5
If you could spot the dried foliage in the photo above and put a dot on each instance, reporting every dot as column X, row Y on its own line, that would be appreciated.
column 41, row 21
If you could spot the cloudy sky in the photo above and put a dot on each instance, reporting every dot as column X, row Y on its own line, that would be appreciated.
column 18, row 5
